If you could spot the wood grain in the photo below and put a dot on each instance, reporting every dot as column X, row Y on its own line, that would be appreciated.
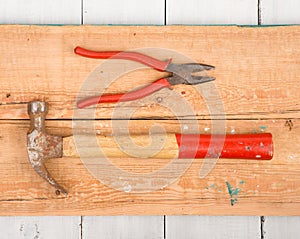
column 268, row 188
column 251, row 65
column 257, row 71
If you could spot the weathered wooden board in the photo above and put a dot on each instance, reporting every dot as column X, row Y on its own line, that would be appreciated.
column 40, row 12
column 40, row 227
column 280, row 12
column 281, row 227
column 257, row 69
column 212, row 12
column 133, row 227
column 129, row 12
column 268, row 188
column 195, row 227
column 257, row 80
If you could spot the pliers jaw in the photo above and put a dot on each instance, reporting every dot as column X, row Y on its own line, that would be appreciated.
column 182, row 73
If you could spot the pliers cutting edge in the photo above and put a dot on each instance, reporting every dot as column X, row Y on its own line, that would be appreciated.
column 181, row 74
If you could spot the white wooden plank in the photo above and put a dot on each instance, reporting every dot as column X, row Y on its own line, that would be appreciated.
column 124, row 12
column 40, row 227
column 123, row 227
column 40, row 12
column 282, row 227
column 280, row 11
column 212, row 12
column 213, row 227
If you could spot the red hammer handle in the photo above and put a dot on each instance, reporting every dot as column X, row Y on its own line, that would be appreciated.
column 236, row 146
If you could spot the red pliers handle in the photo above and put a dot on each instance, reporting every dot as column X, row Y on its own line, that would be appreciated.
column 123, row 55
column 130, row 96
column 181, row 74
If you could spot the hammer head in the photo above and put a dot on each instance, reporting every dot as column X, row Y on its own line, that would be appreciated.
column 40, row 145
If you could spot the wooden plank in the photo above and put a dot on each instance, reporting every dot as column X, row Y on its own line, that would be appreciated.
column 281, row 227
column 40, row 227
column 267, row 188
column 121, row 12
column 280, row 12
column 212, row 12
column 194, row 227
column 251, row 64
column 133, row 227
column 40, row 12
column 199, row 12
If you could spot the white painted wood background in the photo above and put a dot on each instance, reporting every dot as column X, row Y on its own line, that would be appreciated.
column 250, row 12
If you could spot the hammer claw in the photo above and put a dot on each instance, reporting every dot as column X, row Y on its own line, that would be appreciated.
column 40, row 145
column 43, row 172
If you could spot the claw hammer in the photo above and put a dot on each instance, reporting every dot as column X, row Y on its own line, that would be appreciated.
column 42, row 146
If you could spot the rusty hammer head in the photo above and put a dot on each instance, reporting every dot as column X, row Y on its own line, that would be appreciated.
column 40, row 145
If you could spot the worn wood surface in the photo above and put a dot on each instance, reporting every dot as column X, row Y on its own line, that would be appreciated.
column 249, row 84
column 251, row 65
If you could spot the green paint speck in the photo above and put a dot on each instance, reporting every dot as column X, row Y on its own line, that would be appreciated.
column 233, row 201
column 232, row 192
column 242, row 182
column 262, row 128
column 212, row 185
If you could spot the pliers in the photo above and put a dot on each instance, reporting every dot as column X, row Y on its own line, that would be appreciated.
column 181, row 74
